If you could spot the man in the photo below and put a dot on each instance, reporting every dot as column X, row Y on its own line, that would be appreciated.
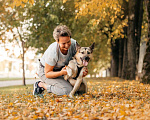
column 52, row 64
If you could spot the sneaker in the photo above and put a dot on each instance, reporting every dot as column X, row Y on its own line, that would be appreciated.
column 37, row 90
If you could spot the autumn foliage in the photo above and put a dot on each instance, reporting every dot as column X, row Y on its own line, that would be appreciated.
column 22, row 3
column 107, row 99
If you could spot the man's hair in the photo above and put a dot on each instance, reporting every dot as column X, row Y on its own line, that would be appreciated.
column 61, row 30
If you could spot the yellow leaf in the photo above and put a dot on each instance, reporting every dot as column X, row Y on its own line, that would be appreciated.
column 122, row 112
column 10, row 103
column 141, row 84
column 18, row 3
column 122, row 16
column 35, row 116
column 64, row 1
column 122, row 36
column 105, row 28
column 25, row 1
column 122, row 118
column 22, row 5
column 94, row 23
column 112, row 21
column 31, row 1
column 14, row 113
column 116, row 31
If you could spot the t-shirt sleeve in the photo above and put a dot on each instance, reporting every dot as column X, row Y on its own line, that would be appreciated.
column 50, row 60
column 51, row 57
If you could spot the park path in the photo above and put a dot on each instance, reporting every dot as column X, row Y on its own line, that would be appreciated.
column 15, row 82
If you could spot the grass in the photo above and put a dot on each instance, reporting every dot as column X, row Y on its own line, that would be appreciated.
column 107, row 99
column 11, row 79
column 17, row 88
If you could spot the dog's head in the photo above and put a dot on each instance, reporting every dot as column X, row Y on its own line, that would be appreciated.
column 83, row 54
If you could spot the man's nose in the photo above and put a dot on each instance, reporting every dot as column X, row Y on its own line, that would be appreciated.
column 67, row 46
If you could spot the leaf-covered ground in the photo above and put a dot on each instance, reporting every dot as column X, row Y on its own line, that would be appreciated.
column 107, row 99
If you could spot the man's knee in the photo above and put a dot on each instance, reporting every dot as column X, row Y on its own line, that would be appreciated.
column 61, row 90
column 66, row 91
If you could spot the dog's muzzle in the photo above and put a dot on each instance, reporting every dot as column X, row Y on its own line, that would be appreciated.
column 85, row 60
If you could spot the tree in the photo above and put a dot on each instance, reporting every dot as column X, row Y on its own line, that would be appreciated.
column 131, row 40
column 125, row 58
column 22, row 3
column 14, row 20
column 115, row 58
column 102, row 23
column 45, row 16
column 138, row 23
column 135, row 16
column 121, row 51
column 146, row 62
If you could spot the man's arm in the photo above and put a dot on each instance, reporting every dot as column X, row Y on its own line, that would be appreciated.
column 49, row 73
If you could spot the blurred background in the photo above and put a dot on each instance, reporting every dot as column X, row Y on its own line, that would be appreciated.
column 118, row 27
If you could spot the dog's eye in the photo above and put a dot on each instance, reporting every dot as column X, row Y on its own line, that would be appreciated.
column 88, row 52
column 82, row 52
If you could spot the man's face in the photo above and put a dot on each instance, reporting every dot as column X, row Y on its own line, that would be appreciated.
column 64, row 43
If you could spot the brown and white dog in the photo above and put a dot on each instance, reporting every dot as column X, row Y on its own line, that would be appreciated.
column 77, row 66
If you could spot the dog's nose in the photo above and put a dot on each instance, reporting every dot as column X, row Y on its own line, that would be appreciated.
column 87, row 58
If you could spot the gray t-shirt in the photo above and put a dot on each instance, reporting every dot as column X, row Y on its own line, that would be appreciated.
column 53, row 56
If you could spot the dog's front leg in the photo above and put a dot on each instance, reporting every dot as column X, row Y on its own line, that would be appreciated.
column 85, row 83
column 72, row 81
column 77, row 84
column 76, row 87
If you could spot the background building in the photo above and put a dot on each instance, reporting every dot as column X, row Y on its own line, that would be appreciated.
column 11, row 62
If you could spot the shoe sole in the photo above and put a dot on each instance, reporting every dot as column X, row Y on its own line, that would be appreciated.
column 34, row 86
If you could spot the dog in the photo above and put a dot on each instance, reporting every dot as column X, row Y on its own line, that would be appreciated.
column 77, row 66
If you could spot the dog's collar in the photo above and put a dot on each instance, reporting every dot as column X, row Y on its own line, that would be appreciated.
column 78, row 66
column 79, row 70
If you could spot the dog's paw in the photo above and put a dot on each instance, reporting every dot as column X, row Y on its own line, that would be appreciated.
column 69, row 71
column 71, row 96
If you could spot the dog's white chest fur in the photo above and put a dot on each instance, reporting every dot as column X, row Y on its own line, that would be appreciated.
column 72, row 70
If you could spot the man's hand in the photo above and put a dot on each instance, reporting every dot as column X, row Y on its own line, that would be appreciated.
column 85, row 72
column 64, row 71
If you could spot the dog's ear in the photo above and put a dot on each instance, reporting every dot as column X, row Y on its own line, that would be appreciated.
column 92, row 46
column 77, row 46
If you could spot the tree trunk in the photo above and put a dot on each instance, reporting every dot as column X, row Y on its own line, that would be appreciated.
column 120, row 57
column 146, row 64
column 23, row 74
column 141, row 59
column 115, row 58
column 23, row 52
column 131, row 40
column 125, row 59
column 138, row 24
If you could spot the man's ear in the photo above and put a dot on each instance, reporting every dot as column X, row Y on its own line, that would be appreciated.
column 57, row 41
column 77, row 46
column 92, row 46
